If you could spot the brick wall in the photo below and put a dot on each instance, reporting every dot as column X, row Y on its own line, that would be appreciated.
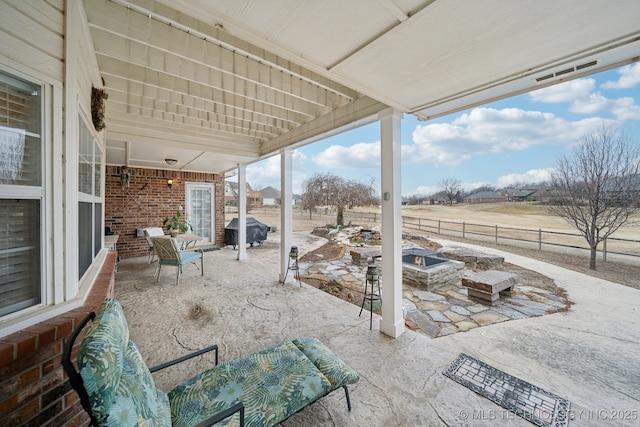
column 148, row 201
column 34, row 391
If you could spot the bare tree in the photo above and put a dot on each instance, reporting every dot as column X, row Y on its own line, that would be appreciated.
column 597, row 186
column 331, row 190
column 485, row 187
column 451, row 189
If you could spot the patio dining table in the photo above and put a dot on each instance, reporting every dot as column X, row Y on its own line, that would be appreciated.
column 188, row 240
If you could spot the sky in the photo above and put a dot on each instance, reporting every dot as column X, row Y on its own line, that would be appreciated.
column 512, row 141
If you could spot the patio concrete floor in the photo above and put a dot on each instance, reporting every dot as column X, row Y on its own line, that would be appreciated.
column 588, row 355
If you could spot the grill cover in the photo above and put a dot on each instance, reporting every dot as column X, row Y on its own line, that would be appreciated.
column 256, row 231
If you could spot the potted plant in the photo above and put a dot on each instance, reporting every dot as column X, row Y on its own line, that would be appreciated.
column 177, row 223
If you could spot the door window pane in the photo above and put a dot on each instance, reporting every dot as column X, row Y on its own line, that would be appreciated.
column 200, row 210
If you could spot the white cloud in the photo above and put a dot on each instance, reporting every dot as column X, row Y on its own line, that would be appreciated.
column 468, row 186
column 564, row 92
column 358, row 156
column 625, row 109
column 585, row 100
column 629, row 77
column 426, row 190
column 621, row 108
column 590, row 104
column 532, row 176
column 487, row 130
column 266, row 173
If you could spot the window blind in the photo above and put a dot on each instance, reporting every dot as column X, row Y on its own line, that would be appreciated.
column 19, row 255
column 20, row 164
column 20, row 140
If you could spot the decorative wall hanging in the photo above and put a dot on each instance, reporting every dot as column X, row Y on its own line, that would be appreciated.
column 133, row 196
column 98, row 98
column 125, row 176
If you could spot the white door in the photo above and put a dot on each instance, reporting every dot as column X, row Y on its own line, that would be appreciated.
column 200, row 210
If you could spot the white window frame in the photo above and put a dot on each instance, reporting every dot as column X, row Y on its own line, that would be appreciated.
column 34, row 192
column 92, row 198
column 188, row 208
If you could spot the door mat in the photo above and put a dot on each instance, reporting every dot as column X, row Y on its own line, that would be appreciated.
column 532, row 403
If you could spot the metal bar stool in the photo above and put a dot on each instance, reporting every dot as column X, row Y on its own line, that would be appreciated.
column 372, row 278
column 292, row 265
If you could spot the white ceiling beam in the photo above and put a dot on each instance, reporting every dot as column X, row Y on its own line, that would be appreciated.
column 238, row 126
column 152, row 34
column 180, row 133
column 395, row 10
column 217, row 67
column 223, row 88
column 355, row 112
column 121, row 101
column 253, row 112
column 181, row 87
column 196, row 23
column 162, row 138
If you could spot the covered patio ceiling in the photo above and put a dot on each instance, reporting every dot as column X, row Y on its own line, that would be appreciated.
column 217, row 83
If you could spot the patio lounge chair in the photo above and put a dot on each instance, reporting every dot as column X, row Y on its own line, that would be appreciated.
column 116, row 387
column 150, row 232
column 169, row 253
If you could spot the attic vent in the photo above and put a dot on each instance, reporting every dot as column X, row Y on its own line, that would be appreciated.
column 587, row 65
column 548, row 76
column 567, row 71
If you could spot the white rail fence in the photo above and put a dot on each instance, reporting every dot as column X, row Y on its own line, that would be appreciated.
column 613, row 249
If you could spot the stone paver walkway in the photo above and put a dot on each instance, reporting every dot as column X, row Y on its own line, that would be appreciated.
column 444, row 311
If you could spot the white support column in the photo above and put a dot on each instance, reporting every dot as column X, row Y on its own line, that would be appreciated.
column 286, row 213
column 392, row 322
column 242, row 212
column 69, row 180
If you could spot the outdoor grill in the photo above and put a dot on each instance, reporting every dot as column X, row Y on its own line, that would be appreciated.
column 256, row 232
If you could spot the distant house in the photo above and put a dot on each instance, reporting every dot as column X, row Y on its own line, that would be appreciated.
column 520, row 195
column 535, row 193
column 270, row 196
column 485, row 197
column 231, row 195
column 441, row 198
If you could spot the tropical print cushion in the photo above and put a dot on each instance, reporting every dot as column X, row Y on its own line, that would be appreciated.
column 101, row 357
column 164, row 410
column 272, row 384
column 337, row 372
column 118, row 382
column 137, row 399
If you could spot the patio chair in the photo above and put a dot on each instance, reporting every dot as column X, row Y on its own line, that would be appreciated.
column 150, row 232
column 169, row 253
column 266, row 387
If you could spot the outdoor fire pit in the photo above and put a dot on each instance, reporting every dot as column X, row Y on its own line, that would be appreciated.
column 423, row 257
column 430, row 269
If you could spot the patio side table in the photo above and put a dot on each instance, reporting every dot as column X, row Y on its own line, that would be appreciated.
column 293, row 265
column 371, row 279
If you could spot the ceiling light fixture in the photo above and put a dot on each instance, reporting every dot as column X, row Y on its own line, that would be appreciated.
column 171, row 161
